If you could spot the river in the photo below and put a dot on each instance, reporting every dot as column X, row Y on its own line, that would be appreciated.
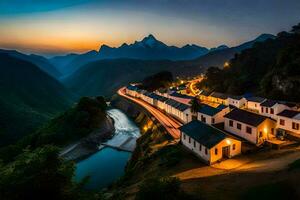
column 108, row 164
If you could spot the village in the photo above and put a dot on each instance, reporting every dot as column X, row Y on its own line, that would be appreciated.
column 224, row 125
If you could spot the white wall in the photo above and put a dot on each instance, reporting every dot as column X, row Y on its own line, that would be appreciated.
column 288, row 124
column 255, row 106
column 200, row 153
column 277, row 109
column 226, row 142
column 219, row 117
column 237, row 103
column 241, row 133
column 211, row 157
column 208, row 119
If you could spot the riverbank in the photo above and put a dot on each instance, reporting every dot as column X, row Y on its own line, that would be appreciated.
column 90, row 144
column 108, row 164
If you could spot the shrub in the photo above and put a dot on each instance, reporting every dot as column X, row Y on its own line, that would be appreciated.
column 164, row 188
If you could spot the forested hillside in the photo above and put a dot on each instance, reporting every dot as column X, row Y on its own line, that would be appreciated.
column 28, row 98
column 270, row 69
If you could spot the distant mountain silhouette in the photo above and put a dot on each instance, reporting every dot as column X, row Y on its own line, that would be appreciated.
column 148, row 48
column 28, row 97
column 60, row 62
column 39, row 61
column 219, row 57
column 221, row 47
column 104, row 77
column 151, row 49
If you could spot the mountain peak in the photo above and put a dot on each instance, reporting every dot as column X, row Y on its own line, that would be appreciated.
column 150, row 40
column 104, row 47
column 264, row 37
column 150, row 36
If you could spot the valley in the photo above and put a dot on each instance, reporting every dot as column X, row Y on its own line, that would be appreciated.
column 103, row 100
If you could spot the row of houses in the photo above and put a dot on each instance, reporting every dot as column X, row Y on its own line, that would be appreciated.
column 242, row 119
column 253, row 119
column 276, row 110
column 167, row 103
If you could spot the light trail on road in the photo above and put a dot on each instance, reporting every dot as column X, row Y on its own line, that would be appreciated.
column 170, row 124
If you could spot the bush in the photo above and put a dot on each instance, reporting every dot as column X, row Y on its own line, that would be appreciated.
column 164, row 188
column 294, row 165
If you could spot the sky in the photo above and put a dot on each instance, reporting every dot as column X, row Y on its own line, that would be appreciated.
column 56, row 27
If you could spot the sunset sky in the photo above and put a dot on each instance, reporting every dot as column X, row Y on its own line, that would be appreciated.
column 63, row 26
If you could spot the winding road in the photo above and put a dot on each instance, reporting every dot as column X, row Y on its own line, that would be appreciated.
column 169, row 123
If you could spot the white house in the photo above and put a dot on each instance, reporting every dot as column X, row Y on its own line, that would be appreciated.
column 180, row 98
column 237, row 101
column 211, row 115
column 204, row 95
column 253, row 103
column 271, row 108
column 131, row 90
column 289, row 122
column 218, row 97
column 159, row 101
column 179, row 110
column 209, row 143
column 147, row 97
column 253, row 127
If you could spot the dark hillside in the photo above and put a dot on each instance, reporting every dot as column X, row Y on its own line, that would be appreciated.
column 28, row 97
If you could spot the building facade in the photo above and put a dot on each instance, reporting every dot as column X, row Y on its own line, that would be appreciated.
column 253, row 103
column 211, row 115
column 289, row 121
column 208, row 143
column 237, row 101
column 217, row 97
column 252, row 127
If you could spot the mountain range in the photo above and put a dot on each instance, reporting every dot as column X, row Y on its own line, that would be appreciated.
column 104, row 77
column 148, row 48
column 40, row 61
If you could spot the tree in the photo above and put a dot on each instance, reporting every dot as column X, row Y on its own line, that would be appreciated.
column 159, row 80
column 195, row 105
column 40, row 174
column 296, row 29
